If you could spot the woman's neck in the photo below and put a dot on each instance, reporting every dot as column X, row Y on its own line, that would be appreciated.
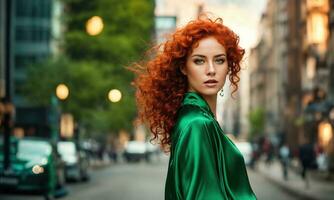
column 212, row 101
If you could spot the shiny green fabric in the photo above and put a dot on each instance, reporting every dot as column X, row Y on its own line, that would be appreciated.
column 204, row 163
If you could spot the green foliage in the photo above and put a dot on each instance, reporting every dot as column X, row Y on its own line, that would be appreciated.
column 88, row 100
column 94, row 65
column 128, row 27
column 43, row 80
column 257, row 122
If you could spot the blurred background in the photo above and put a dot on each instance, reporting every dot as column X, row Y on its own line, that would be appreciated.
column 67, row 105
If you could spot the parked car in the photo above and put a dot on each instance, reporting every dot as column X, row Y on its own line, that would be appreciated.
column 139, row 150
column 35, row 168
column 135, row 151
column 246, row 150
column 152, row 151
column 76, row 161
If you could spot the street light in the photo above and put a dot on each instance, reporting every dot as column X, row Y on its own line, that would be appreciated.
column 66, row 125
column 62, row 91
column 325, row 133
column 66, row 119
column 94, row 25
column 114, row 95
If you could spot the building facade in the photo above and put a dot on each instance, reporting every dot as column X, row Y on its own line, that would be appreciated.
column 292, row 61
column 164, row 25
column 264, row 73
column 280, row 59
column 330, row 55
column 33, row 26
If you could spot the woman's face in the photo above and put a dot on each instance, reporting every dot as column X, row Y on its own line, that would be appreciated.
column 206, row 67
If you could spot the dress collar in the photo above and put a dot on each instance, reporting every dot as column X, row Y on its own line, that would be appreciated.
column 194, row 98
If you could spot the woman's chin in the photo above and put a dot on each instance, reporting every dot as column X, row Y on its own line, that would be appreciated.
column 209, row 92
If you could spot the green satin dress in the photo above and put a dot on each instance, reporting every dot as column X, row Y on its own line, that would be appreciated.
column 204, row 163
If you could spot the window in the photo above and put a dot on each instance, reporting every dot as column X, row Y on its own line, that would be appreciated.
column 22, row 7
column 23, row 33
column 24, row 61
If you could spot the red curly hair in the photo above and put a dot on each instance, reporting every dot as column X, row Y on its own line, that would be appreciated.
column 161, row 85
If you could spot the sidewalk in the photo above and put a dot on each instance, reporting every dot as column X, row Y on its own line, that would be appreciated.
column 319, row 189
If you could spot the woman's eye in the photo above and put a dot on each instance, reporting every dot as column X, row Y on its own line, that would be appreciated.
column 198, row 61
column 220, row 61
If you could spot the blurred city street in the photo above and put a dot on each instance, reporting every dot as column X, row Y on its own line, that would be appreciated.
column 68, row 101
column 145, row 181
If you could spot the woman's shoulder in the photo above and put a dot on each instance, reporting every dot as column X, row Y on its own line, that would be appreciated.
column 191, row 114
column 191, row 118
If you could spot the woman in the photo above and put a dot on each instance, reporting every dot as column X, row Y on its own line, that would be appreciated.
column 176, row 95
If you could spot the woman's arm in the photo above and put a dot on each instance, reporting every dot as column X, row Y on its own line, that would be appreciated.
column 196, row 170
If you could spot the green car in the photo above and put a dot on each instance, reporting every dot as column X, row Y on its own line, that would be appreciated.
column 35, row 167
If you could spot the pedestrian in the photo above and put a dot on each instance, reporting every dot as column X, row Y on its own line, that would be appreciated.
column 256, row 152
column 176, row 94
column 284, row 153
column 330, row 159
column 308, row 161
column 268, row 149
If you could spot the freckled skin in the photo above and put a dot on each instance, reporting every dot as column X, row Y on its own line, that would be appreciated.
column 207, row 61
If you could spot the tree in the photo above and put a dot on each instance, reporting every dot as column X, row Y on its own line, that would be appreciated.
column 95, row 64
column 257, row 122
column 128, row 27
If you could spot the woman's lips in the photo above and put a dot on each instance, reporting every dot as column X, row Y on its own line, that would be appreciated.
column 210, row 83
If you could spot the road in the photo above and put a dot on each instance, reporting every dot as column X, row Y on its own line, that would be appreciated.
column 137, row 181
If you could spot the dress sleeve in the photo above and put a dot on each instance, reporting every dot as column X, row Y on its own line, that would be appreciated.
column 196, row 168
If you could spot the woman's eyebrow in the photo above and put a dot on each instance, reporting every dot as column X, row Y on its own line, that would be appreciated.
column 220, row 55
column 198, row 55
column 202, row 56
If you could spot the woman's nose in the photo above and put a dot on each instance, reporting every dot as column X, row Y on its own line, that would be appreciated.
column 211, row 69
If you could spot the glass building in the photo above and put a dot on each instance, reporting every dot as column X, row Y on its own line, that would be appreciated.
column 32, row 25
